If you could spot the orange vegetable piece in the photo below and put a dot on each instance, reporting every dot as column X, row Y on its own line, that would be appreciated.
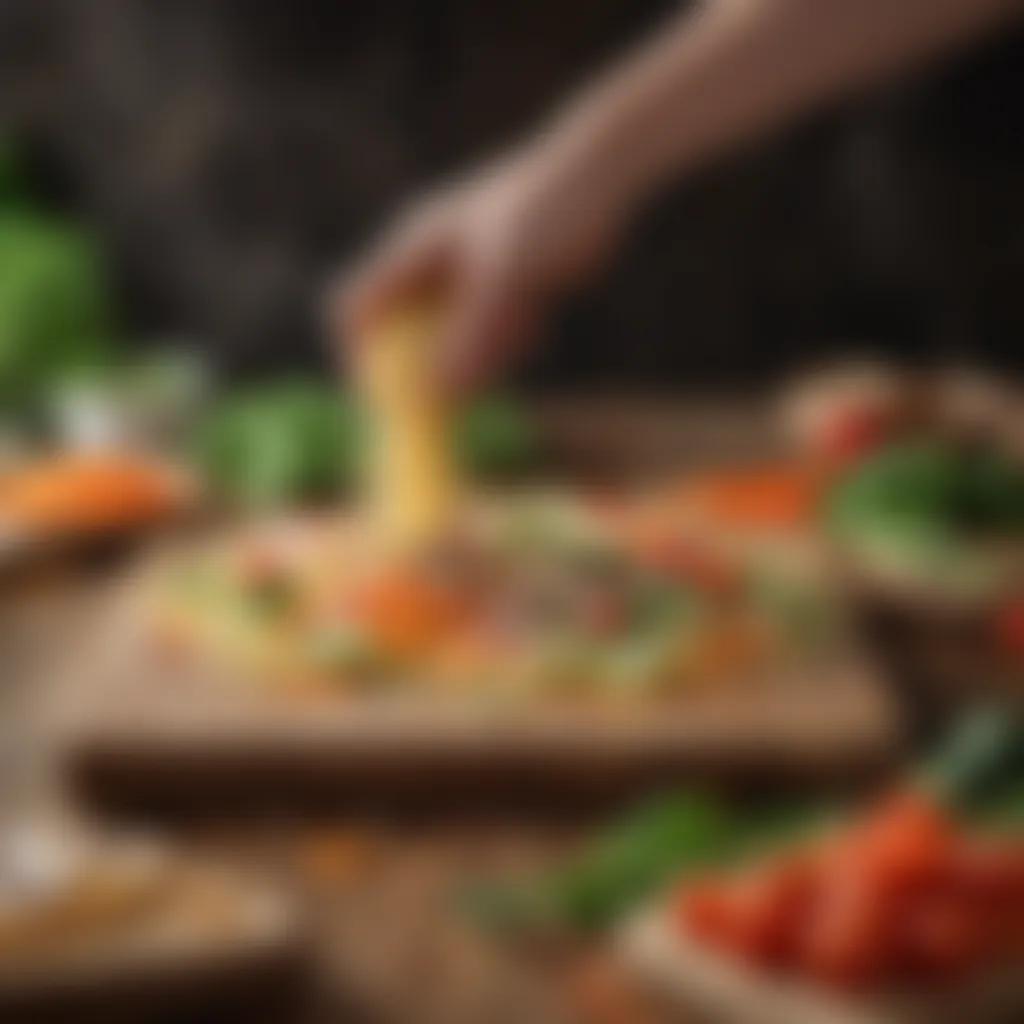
column 88, row 493
column 907, row 844
column 704, row 910
column 405, row 609
column 766, row 497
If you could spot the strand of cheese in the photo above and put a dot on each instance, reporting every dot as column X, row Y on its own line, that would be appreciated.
column 412, row 476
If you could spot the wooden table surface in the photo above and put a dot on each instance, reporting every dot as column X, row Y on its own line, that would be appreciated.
column 387, row 942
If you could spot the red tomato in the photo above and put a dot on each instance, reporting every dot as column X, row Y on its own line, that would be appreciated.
column 853, row 432
column 990, row 875
column 767, row 908
column 691, row 563
column 943, row 938
column 990, row 872
column 907, row 845
column 1009, row 629
column 703, row 910
column 847, row 938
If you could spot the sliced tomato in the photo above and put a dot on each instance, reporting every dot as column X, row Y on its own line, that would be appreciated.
column 908, row 843
column 853, row 432
column 691, row 563
column 847, row 939
column 1009, row 629
column 704, row 911
column 768, row 908
column 943, row 938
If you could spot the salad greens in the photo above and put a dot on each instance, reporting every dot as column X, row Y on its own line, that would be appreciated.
column 927, row 493
column 685, row 831
column 496, row 437
column 272, row 443
column 298, row 440
column 56, row 305
column 980, row 769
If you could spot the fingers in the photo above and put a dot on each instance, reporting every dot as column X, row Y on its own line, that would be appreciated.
column 408, row 262
column 490, row 313
column 492, row 319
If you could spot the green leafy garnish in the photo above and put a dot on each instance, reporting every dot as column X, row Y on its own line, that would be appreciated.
column 270, row 445
column 56, row 306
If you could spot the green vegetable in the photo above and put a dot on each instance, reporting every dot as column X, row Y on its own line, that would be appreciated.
column 345, row 649
column 496, row 437
column 685, row 832
column 56, row 307
column 928, row 493
column 277, row 443
column 271, row 597
column 300, row 440
column 980, row 763
column 978, row 771
column 14, row 184
column 799, row 610
column 630, row 861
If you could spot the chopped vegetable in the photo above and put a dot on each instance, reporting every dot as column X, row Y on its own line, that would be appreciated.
column 302, row 440
column 280, row 443
column 931, row 504
column 1009, row 629
column 977, row 776
column 56, row 305
column 672, row 836
column 346, row 651
column 88, row 493
column 781, row 497
column 496, row 438
column 905, row 895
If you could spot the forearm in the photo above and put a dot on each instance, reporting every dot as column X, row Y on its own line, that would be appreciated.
column 732, row 69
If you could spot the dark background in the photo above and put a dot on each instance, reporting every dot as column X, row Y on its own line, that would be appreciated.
column 231, row 150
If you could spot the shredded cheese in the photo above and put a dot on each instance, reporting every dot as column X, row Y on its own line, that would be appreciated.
column 412, row 480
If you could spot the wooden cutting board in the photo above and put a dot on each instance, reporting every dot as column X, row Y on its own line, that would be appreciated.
column 142, row 727
column 143, row 731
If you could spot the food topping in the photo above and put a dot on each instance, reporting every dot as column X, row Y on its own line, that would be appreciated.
column 88, row 493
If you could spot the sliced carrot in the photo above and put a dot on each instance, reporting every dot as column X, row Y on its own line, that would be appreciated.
column 405, row 609
column 87, row 493
column 772, row 497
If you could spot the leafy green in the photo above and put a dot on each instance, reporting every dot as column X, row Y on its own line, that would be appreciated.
column 496, row 437
column 56, row 306
column 299, row 440
column 979, row 770
column 928, row 492
column 282, row 442
column 14, row 184
column 683, row 832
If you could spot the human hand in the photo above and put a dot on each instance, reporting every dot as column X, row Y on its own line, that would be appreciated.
column 499, row 248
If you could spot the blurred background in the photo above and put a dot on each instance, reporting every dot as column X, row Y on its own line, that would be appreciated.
column 178, row 181
column 216, row 158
